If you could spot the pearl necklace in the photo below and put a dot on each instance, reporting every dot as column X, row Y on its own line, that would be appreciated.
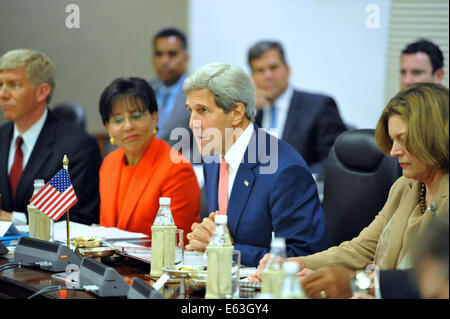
column 423, row 206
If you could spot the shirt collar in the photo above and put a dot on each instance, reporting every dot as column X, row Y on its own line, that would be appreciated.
column 31, row 135
column 283, row 101
column 236, row 152
column 174, row 87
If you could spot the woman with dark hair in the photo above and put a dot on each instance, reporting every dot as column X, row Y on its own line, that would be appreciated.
column 143, row 168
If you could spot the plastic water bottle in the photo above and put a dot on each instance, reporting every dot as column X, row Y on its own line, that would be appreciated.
column 291, row 288
column 163, row 238
column 220, row 253
column 40, row 225
column 272, row 275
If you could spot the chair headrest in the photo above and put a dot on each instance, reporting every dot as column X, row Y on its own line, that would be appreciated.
column 357, row 149
column 73, row 112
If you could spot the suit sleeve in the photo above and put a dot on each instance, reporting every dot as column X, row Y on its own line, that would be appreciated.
column 182, row 187
column 398, row 284
column 329, row 127
column 296, row 215
column 360, row 251
column 84, row 168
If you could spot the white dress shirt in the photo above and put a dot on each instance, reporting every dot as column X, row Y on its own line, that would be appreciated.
column 282, row 108
column 29, row 140
column 235, row 154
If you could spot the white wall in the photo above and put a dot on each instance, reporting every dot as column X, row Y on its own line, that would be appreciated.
column 328, row 45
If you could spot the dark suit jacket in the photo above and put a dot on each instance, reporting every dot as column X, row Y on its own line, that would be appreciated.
column 284, row 201
column 178, row 118
column 57, row 137
column 312, row 124
column 398, row 284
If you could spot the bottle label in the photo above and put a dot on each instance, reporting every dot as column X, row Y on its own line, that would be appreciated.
column 219, row 271
column 39, row 223
column 163, row 249
column 272, row 282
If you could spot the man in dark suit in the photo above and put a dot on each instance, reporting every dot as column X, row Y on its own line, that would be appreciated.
column 309, row 122
column 261, row 183
column 33, row 143
column 421, row 61
column 170, row 61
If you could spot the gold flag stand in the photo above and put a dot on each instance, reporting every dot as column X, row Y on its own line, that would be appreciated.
column 66, row 166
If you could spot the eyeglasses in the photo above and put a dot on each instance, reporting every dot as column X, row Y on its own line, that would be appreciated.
column 136, row 116
column 11, row 87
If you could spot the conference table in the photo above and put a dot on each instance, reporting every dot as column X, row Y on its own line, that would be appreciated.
column 23, row 282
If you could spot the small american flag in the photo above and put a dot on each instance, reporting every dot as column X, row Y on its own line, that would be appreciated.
column 56, row 197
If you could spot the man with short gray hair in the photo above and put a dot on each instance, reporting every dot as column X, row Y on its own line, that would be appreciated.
column 33, row 143
column 261, row 183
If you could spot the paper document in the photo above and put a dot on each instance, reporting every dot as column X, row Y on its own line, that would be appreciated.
column 144, row 254
column 8, row 228
column 81, row 230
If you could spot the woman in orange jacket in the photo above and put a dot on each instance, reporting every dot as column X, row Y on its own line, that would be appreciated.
column 143, row 168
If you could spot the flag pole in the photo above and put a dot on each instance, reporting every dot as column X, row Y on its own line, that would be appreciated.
column 66, row 166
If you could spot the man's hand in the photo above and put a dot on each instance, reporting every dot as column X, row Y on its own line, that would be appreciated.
column 256, row 277
column 201, row 233
column 328, row 282
column 5, row 216
column 261, row 100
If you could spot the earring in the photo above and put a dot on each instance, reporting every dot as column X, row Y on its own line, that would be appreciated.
column 111, row 141
column 155, row 131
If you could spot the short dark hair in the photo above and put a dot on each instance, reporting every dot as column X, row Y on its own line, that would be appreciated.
column 169, row 32
column 261, row 47
column 136, row 89
column 429, row 48
column 433, row 242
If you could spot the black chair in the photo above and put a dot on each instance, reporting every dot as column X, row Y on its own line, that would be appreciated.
column 73, row 112
column 358, row 177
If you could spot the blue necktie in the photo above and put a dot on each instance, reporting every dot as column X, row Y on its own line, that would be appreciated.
column 273, row 116
column 162, row 112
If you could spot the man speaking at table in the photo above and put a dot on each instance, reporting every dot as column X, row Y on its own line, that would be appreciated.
column 260, row 182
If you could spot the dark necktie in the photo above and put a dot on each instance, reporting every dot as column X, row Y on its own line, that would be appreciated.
column 16, row 169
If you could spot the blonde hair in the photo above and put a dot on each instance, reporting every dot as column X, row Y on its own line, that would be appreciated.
column 40, row 69
column 425, row 108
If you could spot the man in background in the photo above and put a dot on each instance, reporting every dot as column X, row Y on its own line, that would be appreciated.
column 421, row 61
column 34, row 141
column 170, row 61
column 308, row 122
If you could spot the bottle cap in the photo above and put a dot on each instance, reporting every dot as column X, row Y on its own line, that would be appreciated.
column 38, row 182
column 220, row 219
column 290, row 267
column 164, row 201
column 278, row 242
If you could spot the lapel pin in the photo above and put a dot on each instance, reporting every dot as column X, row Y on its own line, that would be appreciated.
column 246, row 183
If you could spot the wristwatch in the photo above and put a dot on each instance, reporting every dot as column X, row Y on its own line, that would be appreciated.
column 361, row 282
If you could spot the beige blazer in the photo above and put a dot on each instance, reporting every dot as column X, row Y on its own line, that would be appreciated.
column 402, row 206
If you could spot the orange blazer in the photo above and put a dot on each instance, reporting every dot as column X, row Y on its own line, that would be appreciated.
column 155, row 176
